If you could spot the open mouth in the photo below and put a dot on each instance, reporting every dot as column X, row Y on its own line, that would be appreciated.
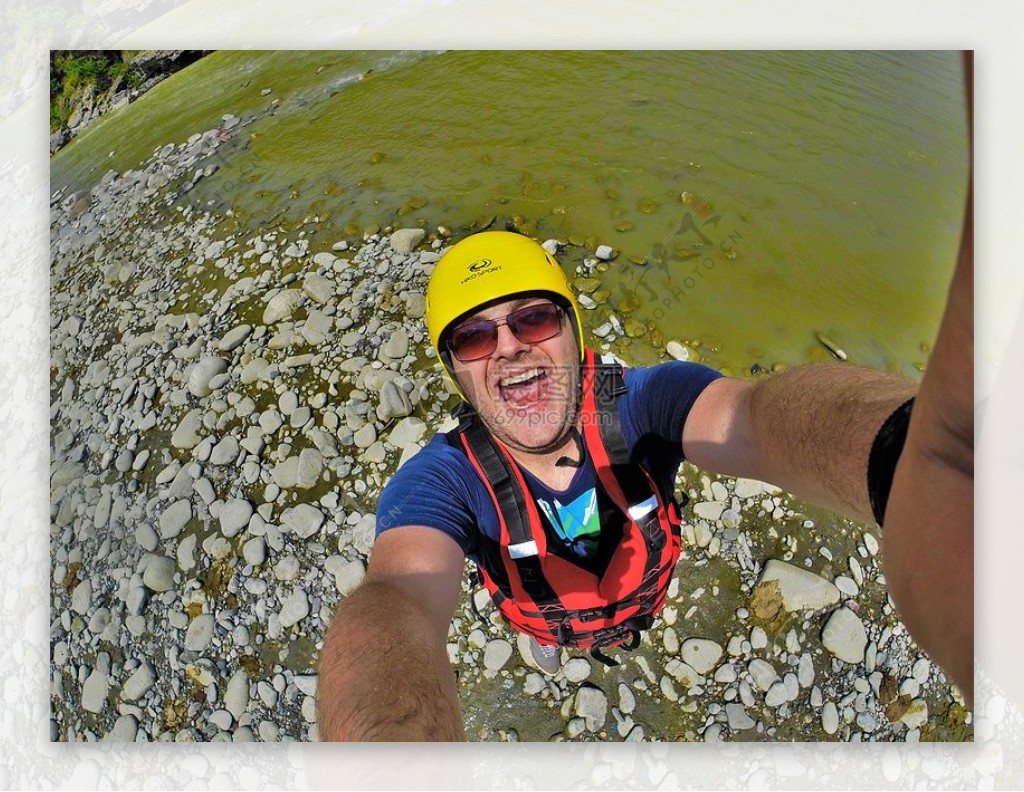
column 525, row 388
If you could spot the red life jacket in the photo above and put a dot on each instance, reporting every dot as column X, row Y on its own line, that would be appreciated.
column 547, row 596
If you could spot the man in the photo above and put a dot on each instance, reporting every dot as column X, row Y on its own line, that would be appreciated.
column 550, row 423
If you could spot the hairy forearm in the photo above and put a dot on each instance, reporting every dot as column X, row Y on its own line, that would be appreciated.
column 384, row 671
column 812, row 428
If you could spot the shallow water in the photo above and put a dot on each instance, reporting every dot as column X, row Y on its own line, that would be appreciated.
column 824, row 189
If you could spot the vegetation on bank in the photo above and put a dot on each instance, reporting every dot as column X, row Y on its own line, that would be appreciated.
column 74, row 71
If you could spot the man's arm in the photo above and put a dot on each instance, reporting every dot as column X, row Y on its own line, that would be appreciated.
column 384, row 669
column 928, row 541
column 808, row 429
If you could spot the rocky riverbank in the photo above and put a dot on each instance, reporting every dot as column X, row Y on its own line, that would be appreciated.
column 226, row 406
column 142, row 70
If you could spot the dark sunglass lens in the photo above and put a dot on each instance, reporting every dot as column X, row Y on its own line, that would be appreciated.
column 536, row 323
column 474, row 341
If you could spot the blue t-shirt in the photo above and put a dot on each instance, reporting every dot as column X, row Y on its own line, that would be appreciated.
column 440, row 488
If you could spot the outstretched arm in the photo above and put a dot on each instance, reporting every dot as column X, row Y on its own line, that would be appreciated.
column 384, row 670
column 808, row 429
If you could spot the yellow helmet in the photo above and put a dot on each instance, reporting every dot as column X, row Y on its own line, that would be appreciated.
column 487, row 266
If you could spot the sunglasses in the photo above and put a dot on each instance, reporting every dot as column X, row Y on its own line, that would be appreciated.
column 531, row 325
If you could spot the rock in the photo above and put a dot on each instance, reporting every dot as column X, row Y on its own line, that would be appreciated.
column 81, row 598
column 199, row 633
column 287, row 568
column 125, row 729
column 397, row 345
column 174, row 518
column 738, row 718
column 394, row 403
column 762, row 673
column 405, row 240
column 281, row 306
column 916, row 715
column 830, row 718
column 202, row 372
column 496, row 654
column 303, row 520
column 709, row 510
column 221, row 719
column 844, row 636
column 683, row 673
column 605, row 252
column 726, row 674
column 846, row 586
column 234, row 338
column 776, row 695
column 254, row 370
column 534, row 684
column 225, row 452
column 255, row 551
column 800, row 589
column 591, row 704
column 627, row 701
column 294, row 607
column 576, row 669
column 286, row 474
column 159, row 574
column 236, row 695
column 139, row 683
column 310, row 465
column 234, row 516
column 805, row 671
column 347, row 574
column 701, row 653
column 185, row 551
column 186, row 435
column 317, row 287
column 94, row 691
column 408, row 430
column 677, row 350
column 365, row 437
column 745, row 488
column 324, row 442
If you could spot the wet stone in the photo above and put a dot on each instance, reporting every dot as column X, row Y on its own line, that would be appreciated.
column 844, row 636
column 738, row 718
column 199, row 633
column 234, row 516
column 174, row 518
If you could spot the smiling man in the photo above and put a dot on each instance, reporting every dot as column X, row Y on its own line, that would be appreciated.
column 558, row 484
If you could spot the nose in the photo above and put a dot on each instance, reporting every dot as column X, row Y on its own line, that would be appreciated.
column 508, row 345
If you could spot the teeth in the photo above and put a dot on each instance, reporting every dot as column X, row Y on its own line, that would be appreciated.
column 526, row 375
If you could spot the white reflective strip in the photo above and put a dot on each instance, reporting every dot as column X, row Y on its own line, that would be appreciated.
column 645, row 507
column 523, row 549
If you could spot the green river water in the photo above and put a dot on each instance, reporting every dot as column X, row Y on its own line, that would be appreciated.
column 755, row 198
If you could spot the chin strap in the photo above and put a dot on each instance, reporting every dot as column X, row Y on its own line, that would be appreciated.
column 574, row 463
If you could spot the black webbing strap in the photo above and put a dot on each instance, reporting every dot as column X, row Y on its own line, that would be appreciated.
column 608, row 386
column 511, row 503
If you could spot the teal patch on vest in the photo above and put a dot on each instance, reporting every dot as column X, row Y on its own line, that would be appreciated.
column 578, row 524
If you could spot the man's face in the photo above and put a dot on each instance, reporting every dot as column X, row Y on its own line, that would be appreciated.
column 525, row 393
